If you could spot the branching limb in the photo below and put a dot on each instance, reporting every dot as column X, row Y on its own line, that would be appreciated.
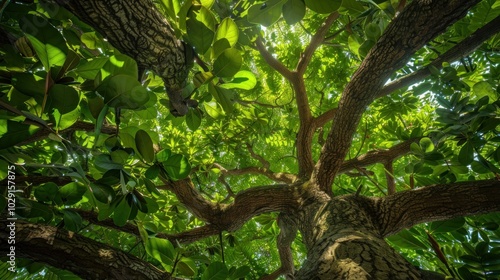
column 322, row 119
column 460, row 50
column 262, row 160
column 316, row 40
column 419, row 23
column 438, row 202
column 272, row 61
column 288, row 231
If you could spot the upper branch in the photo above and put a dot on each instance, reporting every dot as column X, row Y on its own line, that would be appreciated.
column 460, row 50
column 272, row 61
column 439, row 202
column 287, row 178
column 316, row 41
column 419, row 22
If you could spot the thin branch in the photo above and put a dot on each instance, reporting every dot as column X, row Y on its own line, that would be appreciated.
column 316, row 40
column 272, row 61
column 322, row 119
column 262, row 160
column 389, row 176
column 466, row 46
column 287, row 178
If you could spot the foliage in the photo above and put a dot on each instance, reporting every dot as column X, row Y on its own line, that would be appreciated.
column 57, row 74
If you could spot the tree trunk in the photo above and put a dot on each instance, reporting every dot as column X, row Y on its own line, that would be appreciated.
column 343, row 242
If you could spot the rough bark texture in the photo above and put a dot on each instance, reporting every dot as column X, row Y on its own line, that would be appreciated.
column 419, row 22
column 138, row 30
column 80, row 255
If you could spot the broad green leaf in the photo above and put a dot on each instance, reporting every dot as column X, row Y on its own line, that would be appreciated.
column 4, row 169
column 242, row 80
column 229, row 30
column 267, row 13
column 122, row 212
column 103, row 162
column 63, row 98
column 163, row 155
column 12, row 133
column 215, row 271
column 466, row 154
column 193, row 119
column 323, row 7
column 207, row 3
column 32, row 209
column 447, row 226
column 186, row 267
column 123, row 91
column 32, row 85
column 46, row 192
column 72, row 220
column 220, row 46
column 177, row 167
column 407, row 240
column 172, row 7
column 90, row 69
column 102, row 192
column 228, row 63
column 294, row 11
column 118, row 64
column 426, row 145
column 91, row 40
column 161, row 250
column 200, row 27
column 72, row 193
column 223, row 96
column 144, row 145
column 483, row 89
column 48, row 43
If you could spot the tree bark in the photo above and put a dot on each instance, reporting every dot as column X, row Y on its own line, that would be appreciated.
column 80, row 255
column 137, row 29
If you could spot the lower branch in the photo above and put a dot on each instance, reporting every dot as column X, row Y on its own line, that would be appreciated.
column 80, row 255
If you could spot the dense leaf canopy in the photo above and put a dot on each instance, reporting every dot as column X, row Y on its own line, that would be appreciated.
column 94, row 144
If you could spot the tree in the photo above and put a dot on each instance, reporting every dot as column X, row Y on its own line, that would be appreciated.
column 358, row 135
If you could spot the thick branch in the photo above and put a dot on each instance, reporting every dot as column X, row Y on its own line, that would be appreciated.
column 137, row 29
column 439, row 202
column 413, row 28
column 378, row 156
column 460, row 50
column 322, row 119
column 80, row 255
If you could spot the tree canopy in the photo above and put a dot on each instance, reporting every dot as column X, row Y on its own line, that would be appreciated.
column 203, row 139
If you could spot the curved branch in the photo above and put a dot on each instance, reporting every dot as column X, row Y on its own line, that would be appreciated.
column 272, row 61
column 322, row 119
column 419, row 22
column 282, row 177
column 438, row 202
column 262, row 160
column 460, row 50
column 81, row 255
column 316, row 40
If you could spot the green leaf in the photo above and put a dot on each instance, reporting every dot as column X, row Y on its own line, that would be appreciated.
column 91, row 68
column 193, row 119
column 177, row 167
column 242, row 80
column 223, row 97
column 323, row 7
column 294, row 11
column 119, row 64
column 163, row 155
column 161, row 250
column 200, row 27
column 466, row 154
column 407, row 240
column 426, row 145
column 215, row 271
column 122, row 212
column 228, row 63
column 46, row 192
column 447, row 226
column 229, row 30
column 102, row 192
column 123, row 91
column 144, row 145
column 483, row 89
column 186, row 267
column 48, row 43
column 72, row 193
column 267, row 13
column 63, row 98
column 12, row 133
column 72, row 220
